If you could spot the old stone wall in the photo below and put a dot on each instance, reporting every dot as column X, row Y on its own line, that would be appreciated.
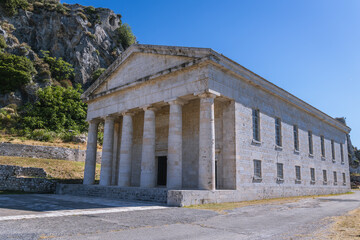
column 114, row 192
column 21, row 150
column 248, row 97
column 182, row 198
column 16, row 171
column 12, row 178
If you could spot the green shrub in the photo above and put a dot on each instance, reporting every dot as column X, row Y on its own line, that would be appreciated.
column 11, row 6
column 68, row 136
column 60, row 69
column 90, row 10
column 83, row 16
column 96, row 74
column 125, row 37
column 2, row 42
column 57, row 109
column 15, row 71
column 89, row 34
column 43, row 135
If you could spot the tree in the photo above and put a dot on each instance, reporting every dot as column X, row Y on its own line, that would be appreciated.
column 60, row 69
column 15, row 71
column 57, row 109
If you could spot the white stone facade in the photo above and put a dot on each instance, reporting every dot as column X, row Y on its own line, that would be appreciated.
column 182, row 117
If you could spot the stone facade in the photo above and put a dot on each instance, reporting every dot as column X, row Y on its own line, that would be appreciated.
column 182, row 118
column 48, row 152
column 15, row 178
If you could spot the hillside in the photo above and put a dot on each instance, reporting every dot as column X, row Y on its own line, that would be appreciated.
column 88, row 39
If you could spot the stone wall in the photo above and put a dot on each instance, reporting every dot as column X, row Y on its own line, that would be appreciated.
column 12, row 179
column 114, row 192
column 21, row 150
column 16, row 171
column 181, row 198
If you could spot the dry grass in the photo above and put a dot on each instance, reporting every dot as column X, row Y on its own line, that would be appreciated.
column 346, row 227
column 56, row 169
column 55, row 143
column 222, row 207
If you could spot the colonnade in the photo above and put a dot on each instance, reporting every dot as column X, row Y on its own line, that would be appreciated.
column 206, row 175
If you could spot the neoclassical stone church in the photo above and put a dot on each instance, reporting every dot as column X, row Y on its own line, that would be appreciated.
column 188, row 125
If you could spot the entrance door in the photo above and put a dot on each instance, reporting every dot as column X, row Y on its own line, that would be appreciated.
column 162, row 167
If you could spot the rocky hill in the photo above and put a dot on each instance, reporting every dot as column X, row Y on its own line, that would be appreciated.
column 86, row 37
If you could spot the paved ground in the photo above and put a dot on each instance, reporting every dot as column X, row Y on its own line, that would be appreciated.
column 36, row 216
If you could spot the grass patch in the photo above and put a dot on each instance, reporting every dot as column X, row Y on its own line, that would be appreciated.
column 346, row 227
column 222, row 207
column 56, row 169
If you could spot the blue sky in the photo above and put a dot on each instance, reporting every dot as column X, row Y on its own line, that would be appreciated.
column 309, row 48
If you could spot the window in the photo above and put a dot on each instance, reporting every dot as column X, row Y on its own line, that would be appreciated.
column 280, row 171
column 311, row 147
column 333, row 150
column 324, row 176
column 278, row 140
column 296, row 138
column 312, row 174
column 342, row 152
column 256, row 125
column 298, row 173
column 257, row 169
column 344, row 178
column 322, row 146
column 335, row 178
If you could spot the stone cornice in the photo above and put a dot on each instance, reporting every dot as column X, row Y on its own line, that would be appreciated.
column 228, row 64
column 204, row 55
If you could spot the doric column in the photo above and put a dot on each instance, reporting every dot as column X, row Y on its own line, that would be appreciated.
column 125, row 150
column 174, row 157
column 147, row 177
column 107, row 152
column 115, row 161
column 207, row 142
column 90, row 161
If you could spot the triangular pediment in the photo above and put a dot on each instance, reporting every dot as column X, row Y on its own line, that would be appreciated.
column 140, row 65
column 141, row 61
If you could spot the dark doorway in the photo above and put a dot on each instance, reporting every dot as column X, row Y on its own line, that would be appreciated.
column 162, row 167
column 216, row 175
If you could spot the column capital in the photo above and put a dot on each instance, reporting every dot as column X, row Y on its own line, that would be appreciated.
column 208, row 94
column 127, row 113
column 176, row 101
column 150, row 107
column 95, row 120
column 109, row 118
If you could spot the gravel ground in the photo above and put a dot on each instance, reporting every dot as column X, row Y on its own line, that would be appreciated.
column 136, row 220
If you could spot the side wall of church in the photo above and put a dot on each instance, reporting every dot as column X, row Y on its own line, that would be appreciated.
column 248, row 97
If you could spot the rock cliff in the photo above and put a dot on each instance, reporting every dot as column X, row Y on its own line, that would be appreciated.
column 88, row 38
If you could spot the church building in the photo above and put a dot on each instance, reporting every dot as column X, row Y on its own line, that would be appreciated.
column 188, row 125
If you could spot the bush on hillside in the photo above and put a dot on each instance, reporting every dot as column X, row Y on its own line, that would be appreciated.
column 2, row 42
column 125, row 36
column 15, row 71
column 57, row 109
column 60, row 69
column 11, row 6
column 96, row 74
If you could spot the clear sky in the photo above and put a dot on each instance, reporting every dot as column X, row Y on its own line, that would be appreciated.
column 309, row 48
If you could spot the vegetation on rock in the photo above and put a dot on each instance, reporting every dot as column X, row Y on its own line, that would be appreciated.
column 60, row 69
column 57, row 109
column 44, row 105
column 12, row 6
column 125, row 35
column 15, row 71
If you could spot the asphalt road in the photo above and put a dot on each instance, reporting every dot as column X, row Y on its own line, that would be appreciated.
column 42, row 216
